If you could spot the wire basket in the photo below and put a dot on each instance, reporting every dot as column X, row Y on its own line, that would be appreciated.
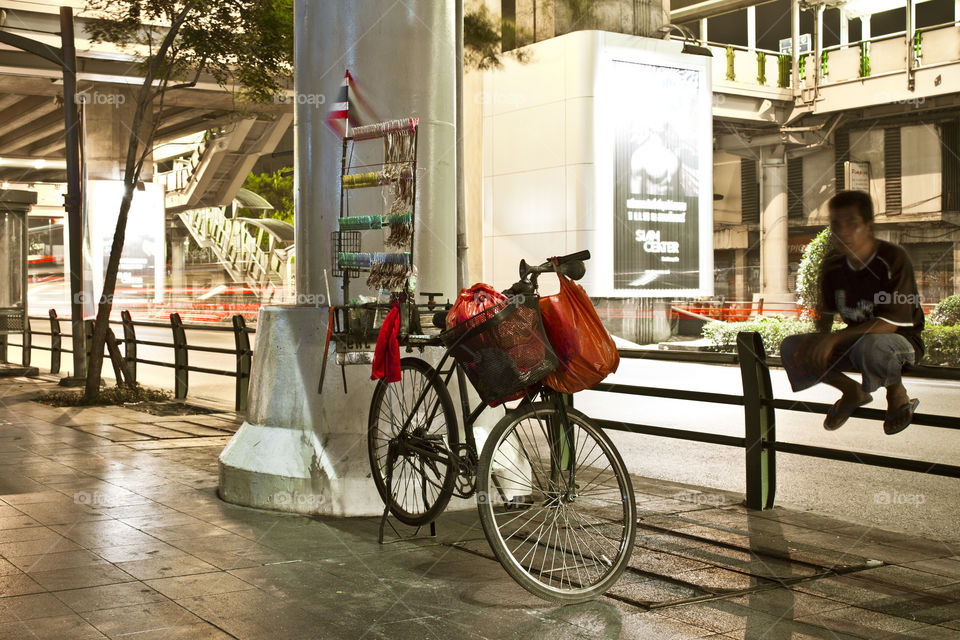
column 503, row 348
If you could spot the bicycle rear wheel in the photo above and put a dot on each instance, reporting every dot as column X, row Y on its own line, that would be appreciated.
column 423, row 469
column 561, row 540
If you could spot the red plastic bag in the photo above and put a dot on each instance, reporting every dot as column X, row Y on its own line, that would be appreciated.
column 586, row 351
column 472, row 301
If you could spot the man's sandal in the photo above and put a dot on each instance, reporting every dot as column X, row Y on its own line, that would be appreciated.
column 840, row 414
column 900, row 418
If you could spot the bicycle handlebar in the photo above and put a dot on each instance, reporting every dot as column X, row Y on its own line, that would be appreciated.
column 574, row 268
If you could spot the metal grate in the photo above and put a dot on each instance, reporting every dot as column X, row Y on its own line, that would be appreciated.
column 841, row 147
column 343, row 242
column 893, row 184
column 795, row 189
column 11, row 321
column 950, row 175
column 750, row 192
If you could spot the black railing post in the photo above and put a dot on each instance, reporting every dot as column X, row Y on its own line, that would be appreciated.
column 179, row 357
column 244, row 354
column 55, row 343
column 87, row 341
column 3, row 347
column 759, row 421
column 129, row 346
column 27, row 342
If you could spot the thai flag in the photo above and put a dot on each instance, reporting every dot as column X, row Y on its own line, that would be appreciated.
column 349, row 109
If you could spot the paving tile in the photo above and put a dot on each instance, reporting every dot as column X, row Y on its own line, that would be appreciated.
column 35, row 547
column 17, row 522
column 61, row 627
column 53, row 561
column 18, row 585
column 79, row 577
column 193, row 429
column 786, row 603
column 31, row 607
column 254, row 614
column 108, row 596
column 948, row 567
column 719, row 616
column 133, row 552
column 906, row 578
column 199, row 585
column 166, row 567
column 151, row 617
column 861, row 622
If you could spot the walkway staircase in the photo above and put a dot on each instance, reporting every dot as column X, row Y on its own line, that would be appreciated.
column 220, row 164
column 257, row 252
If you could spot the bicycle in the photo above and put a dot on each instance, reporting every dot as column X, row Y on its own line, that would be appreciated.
column 555, row 500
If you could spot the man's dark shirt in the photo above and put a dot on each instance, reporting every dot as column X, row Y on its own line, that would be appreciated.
column 884, row 289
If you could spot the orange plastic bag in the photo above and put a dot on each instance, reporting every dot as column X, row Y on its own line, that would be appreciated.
column 472, row 301
column 586, row 351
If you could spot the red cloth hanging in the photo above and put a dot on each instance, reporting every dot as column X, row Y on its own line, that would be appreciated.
column 386, row 355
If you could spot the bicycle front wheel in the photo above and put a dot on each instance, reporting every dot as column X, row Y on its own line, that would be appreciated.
column 423, row 439
column 556, row 505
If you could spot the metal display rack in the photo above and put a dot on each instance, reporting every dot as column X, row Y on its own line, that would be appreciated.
column 358, row 323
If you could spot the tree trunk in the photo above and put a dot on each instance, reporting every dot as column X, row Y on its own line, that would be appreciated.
column 131, row 175
column 105, row 305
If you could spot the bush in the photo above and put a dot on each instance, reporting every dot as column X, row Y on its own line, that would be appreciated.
column 772, row 329
column 942, row 345
column 808, row 274
column 947, row 312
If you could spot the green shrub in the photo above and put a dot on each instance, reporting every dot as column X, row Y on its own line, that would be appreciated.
column 808, row 273
column 947, row 312
column 772, row 330
column 942, row 342
column 942, row 345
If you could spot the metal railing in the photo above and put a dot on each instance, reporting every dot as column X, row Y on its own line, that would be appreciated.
column 759, row 441
column 181, row 349
column 238, row 247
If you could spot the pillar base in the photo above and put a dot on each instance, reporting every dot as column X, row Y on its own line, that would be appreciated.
column 298, row 450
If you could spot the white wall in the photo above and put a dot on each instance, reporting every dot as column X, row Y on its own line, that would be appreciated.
column 540, row 151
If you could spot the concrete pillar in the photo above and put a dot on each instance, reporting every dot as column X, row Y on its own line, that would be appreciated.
column 774, row 237
column 751, row 28
column 844, row 27
column 178, row 264
column 864, row 27
column 301, row 450
column 108, row 112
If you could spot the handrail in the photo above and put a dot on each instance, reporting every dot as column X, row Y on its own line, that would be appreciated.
column 759, row 439
column 242, row 351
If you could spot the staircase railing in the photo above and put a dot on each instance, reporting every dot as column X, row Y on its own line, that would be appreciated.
column 238, row 247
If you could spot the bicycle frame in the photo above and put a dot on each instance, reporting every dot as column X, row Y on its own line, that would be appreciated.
column 560, row 439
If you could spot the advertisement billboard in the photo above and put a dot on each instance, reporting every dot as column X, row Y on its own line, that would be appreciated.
column 657, row 134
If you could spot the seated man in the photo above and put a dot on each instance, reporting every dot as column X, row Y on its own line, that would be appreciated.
column 870, row 283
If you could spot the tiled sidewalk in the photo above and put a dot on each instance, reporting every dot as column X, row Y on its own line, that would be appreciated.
column 110, row 527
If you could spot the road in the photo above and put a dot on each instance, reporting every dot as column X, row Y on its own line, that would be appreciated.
column 903, row 500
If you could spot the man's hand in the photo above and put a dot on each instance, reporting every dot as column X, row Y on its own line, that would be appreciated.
column 823, row 349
